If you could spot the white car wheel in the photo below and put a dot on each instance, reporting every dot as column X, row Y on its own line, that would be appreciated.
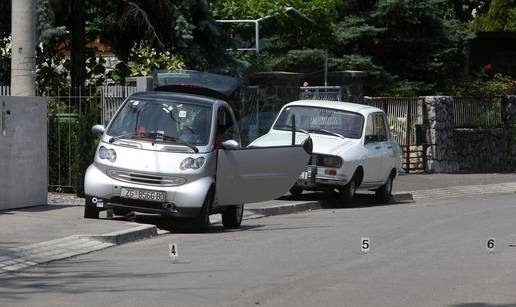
column 347, row 193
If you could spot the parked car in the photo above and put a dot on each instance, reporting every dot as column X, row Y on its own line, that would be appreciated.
column 352, row 147
column 177, row 153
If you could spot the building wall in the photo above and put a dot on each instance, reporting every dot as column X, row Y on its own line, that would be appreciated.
column 23, row 152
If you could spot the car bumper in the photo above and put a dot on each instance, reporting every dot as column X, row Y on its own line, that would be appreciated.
column 104, row 192
column 315, row 177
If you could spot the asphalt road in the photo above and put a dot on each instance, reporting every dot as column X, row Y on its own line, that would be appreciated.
column 430, row 253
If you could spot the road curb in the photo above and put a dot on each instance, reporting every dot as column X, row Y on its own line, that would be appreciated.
column 401, row 197
column 20, row 258
column 285, row 209
column 127, row 235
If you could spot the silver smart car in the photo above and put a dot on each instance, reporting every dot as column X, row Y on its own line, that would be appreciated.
column 177, row 153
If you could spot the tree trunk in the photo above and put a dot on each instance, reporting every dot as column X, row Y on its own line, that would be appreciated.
column 23, row 53
column 77, row 44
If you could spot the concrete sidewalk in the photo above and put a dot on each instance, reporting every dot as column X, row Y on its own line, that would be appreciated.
column 42, row 234
column 56, row 231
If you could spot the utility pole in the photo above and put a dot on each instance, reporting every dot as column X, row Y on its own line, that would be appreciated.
column 23, row 52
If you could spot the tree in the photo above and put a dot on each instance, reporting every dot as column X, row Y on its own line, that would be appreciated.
column 501, row 16
column 408, row 47
column 185, row 28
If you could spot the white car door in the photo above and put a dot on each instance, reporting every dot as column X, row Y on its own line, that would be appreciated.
column 373, row 164
column 257, row 174
column 387, row 152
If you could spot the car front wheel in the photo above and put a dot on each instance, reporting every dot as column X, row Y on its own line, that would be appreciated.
column 202, row 220
column 384, row 192
column 347, row 192
column 232, row 217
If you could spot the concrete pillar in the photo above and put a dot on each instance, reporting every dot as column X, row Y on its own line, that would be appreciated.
column 23, row 152
column 23, row 61
column 441, row 154
column 144, row 84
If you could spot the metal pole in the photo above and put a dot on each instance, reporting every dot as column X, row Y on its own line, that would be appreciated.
column 23, row 52
column 325, row 67
column 257, row 36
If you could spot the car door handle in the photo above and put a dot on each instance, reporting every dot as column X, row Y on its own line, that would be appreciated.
column 378, row 147
column 389, row 147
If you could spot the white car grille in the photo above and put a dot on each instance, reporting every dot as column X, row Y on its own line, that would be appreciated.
column 324, row 160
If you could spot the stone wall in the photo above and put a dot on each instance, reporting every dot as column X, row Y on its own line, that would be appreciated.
column 481, row 150
column 459, row 150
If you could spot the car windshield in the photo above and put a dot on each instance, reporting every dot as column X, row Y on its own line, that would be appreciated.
column 162, row 120
column 317, row 120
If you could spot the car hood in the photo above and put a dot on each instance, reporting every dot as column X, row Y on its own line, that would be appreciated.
column 321, row 143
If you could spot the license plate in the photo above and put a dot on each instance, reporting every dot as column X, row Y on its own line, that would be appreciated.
column 142, row 194
column 304, row 175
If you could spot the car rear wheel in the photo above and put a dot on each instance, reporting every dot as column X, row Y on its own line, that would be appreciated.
column 232, row 217
column 384, row 192
column 91, row 212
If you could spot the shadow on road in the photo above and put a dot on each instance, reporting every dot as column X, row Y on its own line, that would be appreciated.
column 483, row 305
column 38, row 208
column 331, row 200
column 326, row 199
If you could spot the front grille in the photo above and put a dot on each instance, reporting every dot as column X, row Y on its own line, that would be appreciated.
column 146, row 178
column 319, row 160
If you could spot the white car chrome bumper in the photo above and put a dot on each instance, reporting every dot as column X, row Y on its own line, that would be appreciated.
column 315, row 176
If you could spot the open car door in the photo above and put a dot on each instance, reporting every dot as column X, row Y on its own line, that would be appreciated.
column 256, row 174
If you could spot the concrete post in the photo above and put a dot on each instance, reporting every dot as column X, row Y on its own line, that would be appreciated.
column 441, row 154
column 23, row 152
column 23, row 61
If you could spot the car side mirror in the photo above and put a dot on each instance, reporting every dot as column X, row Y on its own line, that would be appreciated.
column 98, row 129
column 371, row 139
column 230, row 145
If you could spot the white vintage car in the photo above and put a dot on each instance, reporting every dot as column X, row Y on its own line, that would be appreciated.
column 352, row 146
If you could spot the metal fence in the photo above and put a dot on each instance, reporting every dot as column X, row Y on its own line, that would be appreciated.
column 5, row 90
column 65, row 107
column 478, row 112
column 403, row 113
column 332, row 93
column 111, row 98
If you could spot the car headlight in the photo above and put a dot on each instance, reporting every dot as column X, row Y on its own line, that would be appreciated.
column 332, row 162
column 107, row 154
column 191, row 163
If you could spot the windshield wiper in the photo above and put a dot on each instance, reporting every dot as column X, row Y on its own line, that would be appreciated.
column 324, row 131
column 114, row 138
column 287, row 127
column 161, row 137
column 156, row 136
